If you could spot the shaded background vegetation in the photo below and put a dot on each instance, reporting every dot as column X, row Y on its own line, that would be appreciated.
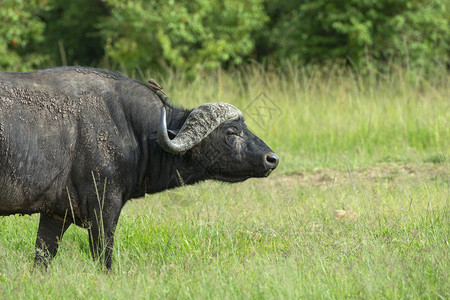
column 202, row 34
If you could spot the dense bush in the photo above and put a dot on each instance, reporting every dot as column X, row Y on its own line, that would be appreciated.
column 207, row 34
column 409, row 32
column 71, row 35
column 185, row 34
column 20, row 31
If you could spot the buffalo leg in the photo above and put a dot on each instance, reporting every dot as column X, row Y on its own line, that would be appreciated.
column 49, row 234
column 101, row 238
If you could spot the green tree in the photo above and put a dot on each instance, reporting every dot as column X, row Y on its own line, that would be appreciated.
column 71, row 34
column 21, row 31
column 184, row 34
column 207, row 34
column 411, row 32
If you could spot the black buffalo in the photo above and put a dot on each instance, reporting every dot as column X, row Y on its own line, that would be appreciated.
column 66, row 133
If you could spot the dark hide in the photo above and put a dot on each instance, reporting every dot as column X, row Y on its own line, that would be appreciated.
column 64, row 132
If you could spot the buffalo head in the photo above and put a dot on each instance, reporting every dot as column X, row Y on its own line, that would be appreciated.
column 215, row 137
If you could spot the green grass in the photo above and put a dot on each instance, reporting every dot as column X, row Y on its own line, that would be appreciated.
column 376, row 149
column 328, row 117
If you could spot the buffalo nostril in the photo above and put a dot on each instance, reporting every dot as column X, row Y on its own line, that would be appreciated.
column 272, row 160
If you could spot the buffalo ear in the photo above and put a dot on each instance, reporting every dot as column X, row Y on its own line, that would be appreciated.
column 172, row 133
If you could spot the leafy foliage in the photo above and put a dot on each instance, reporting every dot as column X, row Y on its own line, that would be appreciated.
column 410, row 32
column 183, row 34
column 192, row 35
column 71, row 34
column 21, row 30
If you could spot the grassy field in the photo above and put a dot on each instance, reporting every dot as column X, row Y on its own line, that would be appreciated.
column 358, row 208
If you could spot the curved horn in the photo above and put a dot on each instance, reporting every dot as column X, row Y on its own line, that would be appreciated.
column 198, row 125
column 163, row 136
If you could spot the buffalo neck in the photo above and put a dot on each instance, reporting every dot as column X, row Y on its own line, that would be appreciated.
column 158, row 169
column 167, row 171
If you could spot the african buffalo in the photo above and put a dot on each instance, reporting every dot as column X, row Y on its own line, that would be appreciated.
column 66, row 131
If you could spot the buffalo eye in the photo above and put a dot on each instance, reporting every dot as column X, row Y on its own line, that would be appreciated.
column 231, row 131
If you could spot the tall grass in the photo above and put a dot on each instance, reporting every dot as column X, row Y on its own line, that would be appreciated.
column 320, row 117
column 278, row 238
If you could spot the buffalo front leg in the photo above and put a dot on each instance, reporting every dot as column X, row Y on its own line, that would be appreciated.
column 49, row 235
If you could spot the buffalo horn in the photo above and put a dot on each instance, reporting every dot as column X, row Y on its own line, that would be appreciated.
column 198, row 125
